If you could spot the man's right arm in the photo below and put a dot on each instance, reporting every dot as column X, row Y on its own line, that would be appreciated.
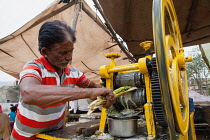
column 33, row 92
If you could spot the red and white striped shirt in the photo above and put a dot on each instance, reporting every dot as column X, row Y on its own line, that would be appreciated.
column 32, row 119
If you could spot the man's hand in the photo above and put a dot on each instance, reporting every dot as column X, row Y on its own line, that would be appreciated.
column 105, row 92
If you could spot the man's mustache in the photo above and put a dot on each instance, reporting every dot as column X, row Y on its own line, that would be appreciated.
column 64, row 62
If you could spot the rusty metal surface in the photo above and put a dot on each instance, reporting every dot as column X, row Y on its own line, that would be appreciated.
column 73, row 130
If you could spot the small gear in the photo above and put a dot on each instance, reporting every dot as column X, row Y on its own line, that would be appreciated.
column 156, row 96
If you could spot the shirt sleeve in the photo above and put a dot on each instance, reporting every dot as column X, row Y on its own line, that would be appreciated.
column 81, row 78
column 31, row 69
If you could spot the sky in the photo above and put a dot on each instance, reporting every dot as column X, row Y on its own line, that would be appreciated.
column 16, row 13
column 6, row 77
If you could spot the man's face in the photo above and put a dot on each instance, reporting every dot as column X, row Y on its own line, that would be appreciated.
column 61, row 54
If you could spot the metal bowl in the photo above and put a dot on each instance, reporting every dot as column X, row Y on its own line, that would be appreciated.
column 122, row 127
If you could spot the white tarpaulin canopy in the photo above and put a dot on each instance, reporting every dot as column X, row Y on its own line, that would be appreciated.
column 91, row 46
column 205, row 50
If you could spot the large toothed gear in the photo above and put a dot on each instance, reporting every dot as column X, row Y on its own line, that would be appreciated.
column 171, row 67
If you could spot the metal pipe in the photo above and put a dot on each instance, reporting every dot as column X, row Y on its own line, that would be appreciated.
column 124, row 68
column 109, row 26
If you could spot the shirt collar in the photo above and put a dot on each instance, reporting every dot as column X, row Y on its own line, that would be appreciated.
column 50, row 68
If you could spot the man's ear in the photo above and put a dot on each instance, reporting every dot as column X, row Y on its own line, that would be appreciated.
column 44, row 51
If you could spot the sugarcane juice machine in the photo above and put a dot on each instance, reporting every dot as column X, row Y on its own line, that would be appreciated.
column 161, row 93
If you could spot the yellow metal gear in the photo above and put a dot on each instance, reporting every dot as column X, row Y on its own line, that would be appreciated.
column 171, row 67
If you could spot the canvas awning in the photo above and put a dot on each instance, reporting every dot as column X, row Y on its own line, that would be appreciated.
column 91, row 46
column 132, row 20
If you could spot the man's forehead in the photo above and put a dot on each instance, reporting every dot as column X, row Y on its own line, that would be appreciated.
column 64, row 45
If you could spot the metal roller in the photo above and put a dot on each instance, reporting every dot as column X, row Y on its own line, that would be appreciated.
column 132, row 100
column 134, row 79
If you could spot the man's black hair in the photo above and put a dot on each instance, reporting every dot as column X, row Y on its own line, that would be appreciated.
column 53, row 32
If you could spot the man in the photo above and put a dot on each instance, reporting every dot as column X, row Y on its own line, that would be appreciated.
column 46, row 84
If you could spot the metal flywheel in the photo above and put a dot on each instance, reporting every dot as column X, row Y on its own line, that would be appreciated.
column 171, row 67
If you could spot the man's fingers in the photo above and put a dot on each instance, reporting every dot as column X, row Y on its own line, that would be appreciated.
column 107, row 105
column 111, row 97
column 110, row 101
